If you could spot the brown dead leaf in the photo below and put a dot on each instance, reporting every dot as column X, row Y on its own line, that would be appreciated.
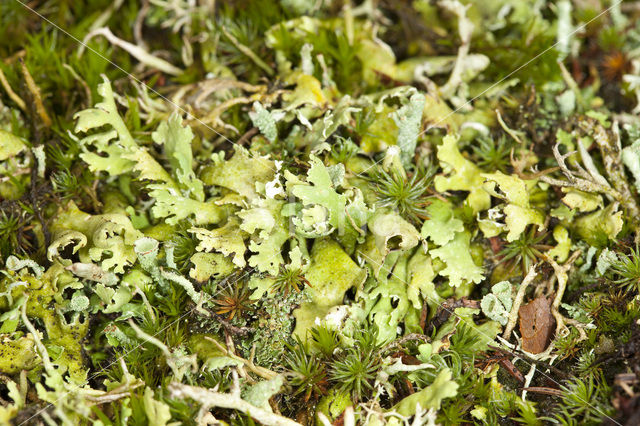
column 536, row 325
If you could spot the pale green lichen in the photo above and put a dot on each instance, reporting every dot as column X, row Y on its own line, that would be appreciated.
column 605, row 260
column 442, row 225
column 347, row 211
column 631, row 158
column 42, row 294
column 265, row 121
column 392, row 232
column 518, row 212
column 582, row 201
column 561, row 251
column 117, row 153
column 110, row 143
column 227, row 239
column 147, row 250
column 254, row 218
column 598, row 227
column 14, row 264
column 107, row 239
column 459, row 263
column 240, row 173
column 268, row 229
column 10, row 145
column 497, row 304
column 386, row 301
column 259, row 394
column 208, row 265
column 461, row 175
column 158, row 412
column 443, row 387
column 409, row 121
column 331, row 274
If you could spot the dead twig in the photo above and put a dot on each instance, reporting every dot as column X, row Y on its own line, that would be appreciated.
column 14, row 97
column 35, row 94
column 513, row 315
column 247, row 136
column 265, row 373
column 561, row 273
column 544, row 390
column 232, row 400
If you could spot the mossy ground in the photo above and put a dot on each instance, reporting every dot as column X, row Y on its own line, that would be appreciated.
column 309, row 212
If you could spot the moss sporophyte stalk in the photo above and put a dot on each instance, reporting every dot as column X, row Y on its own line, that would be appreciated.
column 317, row 212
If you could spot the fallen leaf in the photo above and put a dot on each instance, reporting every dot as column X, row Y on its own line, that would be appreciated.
column 536, row 325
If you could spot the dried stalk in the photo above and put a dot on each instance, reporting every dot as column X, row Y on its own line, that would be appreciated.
column 210, row 399
column 561, row 274
column 579, row 179
column 610, row 149
column 14, row 97
column 35, row 94
column 513, row 315
column 265, row 373
column 465, row 29
column 588, row 179
column 134, row 50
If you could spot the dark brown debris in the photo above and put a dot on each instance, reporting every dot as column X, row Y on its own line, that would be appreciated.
column 536, row 325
